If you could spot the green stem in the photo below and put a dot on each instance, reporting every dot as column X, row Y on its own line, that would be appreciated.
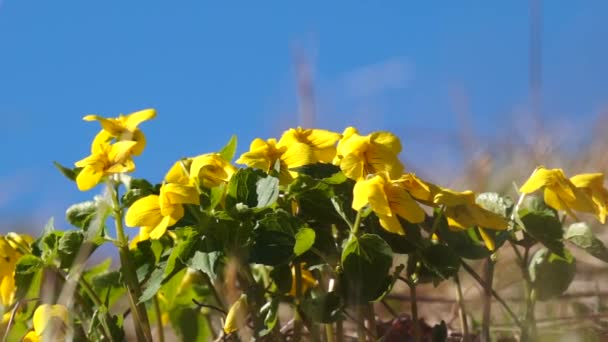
column 414, row 304
column 495, row 294
column 138, row 310
column 297, row 319
column 105, row 317
column 462, row 313
column 159, row 320
column 355, row 228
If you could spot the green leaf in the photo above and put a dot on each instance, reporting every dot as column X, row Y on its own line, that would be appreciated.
column 441, row 261
column 366, row 261
column 580, row 234
column 190, row 325
column 154, row 283
column 273, row 239
column 305, row 239
column 323, row 307
column 27, row 269
column 267, row 190
column 227, row 152
column 463, row 243
column 187, row 238
column 281, row 275
column 546, row 229
column 271, row 309
column 242, row 188
column 70, row 174
column 81, row 214
column 550, row 273
column 206, row 262
column 317, row 170
column 402, row 244
column 137, row 188
column 69, row 246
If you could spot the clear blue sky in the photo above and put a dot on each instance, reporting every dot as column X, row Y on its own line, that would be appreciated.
column 213, row 70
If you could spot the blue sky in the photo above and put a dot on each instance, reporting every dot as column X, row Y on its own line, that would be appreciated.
column 213, row 70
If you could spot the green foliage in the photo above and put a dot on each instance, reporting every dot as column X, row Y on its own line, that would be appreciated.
column 580, row 235
column 550, row 273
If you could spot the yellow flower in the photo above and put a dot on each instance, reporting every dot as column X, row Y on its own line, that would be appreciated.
column 179, row 172
column 50, row 324
column 593, row 185
column 105, row 159
column 359, row 156
column 155, row 213
column 235, row 318
column 322, row 143
column 308, row 281
column 265, row 154
column 421, row 190
column 462, row 211
column 124, row 127
column 211, row 170
column 387, row 200
column 559, row 192
column 9, row 255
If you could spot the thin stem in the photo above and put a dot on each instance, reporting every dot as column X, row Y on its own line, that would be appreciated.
column 159, row 320
column 339, row 331
column 361, row 323
column 355, row 228
column 502, row 302
column 297, row 319
column 329, row 333
column 462, row 313
column 437, row 220
column 140, row 316
column 371, row 317
column 414, row 304
column 487, row 300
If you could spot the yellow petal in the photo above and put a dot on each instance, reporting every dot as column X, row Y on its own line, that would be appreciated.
column 46, row 314
column 487, row 219
column 144, row 212
column 353, row 166
column 308, row 281
column 298, row 154
column 180, row 194
column 451, row 198
column 403, row 204
column 178, row 172
column 7, row 291
column 391, row 224
column 388, row 140
column 88, row 178
column 487, row 239
column 126, row 165
column 31, row 337
column 134, row 119
column 371, row 191
column 235, row 318
column 101, row 140
column 120, row 151
column 109, row 125
column 159, row 230
column 588, row 180
column 139, row 137
column 381, row 158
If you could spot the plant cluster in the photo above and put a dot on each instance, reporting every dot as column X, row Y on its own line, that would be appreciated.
column 312, row 222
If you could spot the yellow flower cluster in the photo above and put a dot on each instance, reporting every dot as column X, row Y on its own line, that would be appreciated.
column 583, row 192
column 373, row 162
column 155, row 213
column 113, row 147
